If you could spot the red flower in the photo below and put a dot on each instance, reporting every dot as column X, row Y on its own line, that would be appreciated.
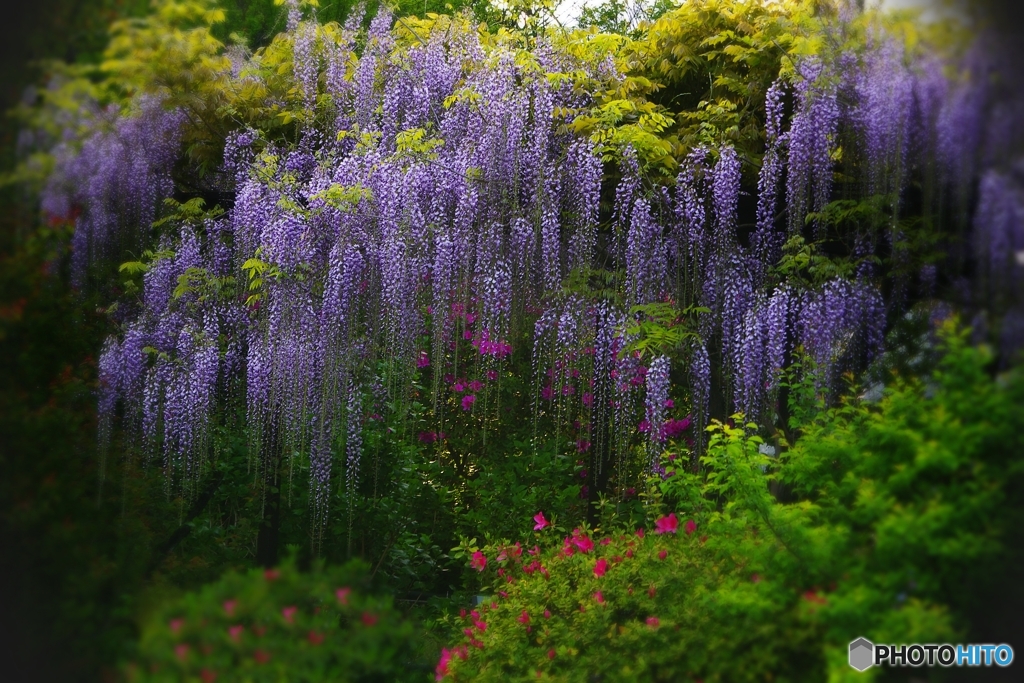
column 342, row 594
column 541, row 521
column 663, row 554
column 369, row 619
column 551, row 653
column 236, row 632
column 652, row 591
column 666, row 525
column 600, row 567
column 441, row 670
column 289, row 613
column 640, row 532
column 524, row 618
column 176, row 624
column 653, row 622
column 315, row 638
column 582, row 541
column 181, row 651
column 271, row 574
column 479, row 561
column 690, row 526
column 481, row 625
column 755, row 577
column 229, row 607
column 208, row 676
column 261, row 656
column 599, row 598
column 547, row 614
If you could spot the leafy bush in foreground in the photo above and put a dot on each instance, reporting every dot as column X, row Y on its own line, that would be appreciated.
column 887, row 521
column 280, row 624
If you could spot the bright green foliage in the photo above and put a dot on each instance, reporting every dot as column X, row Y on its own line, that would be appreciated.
column 883, row 520
column 280, row 624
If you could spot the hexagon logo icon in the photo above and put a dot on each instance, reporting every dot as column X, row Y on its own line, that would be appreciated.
column 862, row 653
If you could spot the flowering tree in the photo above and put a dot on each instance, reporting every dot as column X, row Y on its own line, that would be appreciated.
column 444, row 230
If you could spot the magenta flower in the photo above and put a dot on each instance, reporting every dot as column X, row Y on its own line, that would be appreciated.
column 479, row 561
column 492, row 375
column 423, row 360
column 476, row 385
column 644, row 426
column 441, row 670
column 229, row 607
column 428, row 437
column 458, row 387
column 547, row 393
column 289, row 613
column 690, row 526
column 653, row 622
column 467, row 401
column 369, row 618
column 663, row 554
column 666, row 525
column 600, row 567
column 235, row 632
column 524, row 618
column 342, row 594
column 582, row 541
column 599, row 597
column 541, row 522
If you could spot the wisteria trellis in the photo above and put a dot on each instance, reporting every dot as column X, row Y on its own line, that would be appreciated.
column 377, row 251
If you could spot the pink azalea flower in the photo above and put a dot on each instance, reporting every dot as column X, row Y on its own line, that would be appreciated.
column 428, row 437
column 690, row 526
column 652, row 591
column 644, row 426
column 229, row 607
column 479, row 561
column 551, row 653
column 541, row 522
column 588, row 399
column 369, row 619
column 536, row 549
column 271, row 574
column 261, row 656
column 289, row 613
column 666, row 525
column 181, row 651
column 342, row 594
column 467, row 401
column 441, row 670
column 547, row 614
column 524, row 618
column 492, row 375
column 582, row 541
column 467, row 334
column 547, row 393
column 600, row 567
column 653, row 622
column 423, row 360
column 235, row 632
column 669, row 403
column 640, row 532
column 663, row 554
column 476, row 385
column 176, row 624
column 599, row 598
column 458, row 387
column 480, row 625
column 315, row 638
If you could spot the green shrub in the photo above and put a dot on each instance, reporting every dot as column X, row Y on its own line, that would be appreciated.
column 885, row 519
column 280, row 624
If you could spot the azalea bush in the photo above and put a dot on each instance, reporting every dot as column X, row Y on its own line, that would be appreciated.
column 894, row 513
column 281, row 623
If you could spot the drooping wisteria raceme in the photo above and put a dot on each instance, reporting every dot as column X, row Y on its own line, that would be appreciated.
column 112, row 182
column 426, row 217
